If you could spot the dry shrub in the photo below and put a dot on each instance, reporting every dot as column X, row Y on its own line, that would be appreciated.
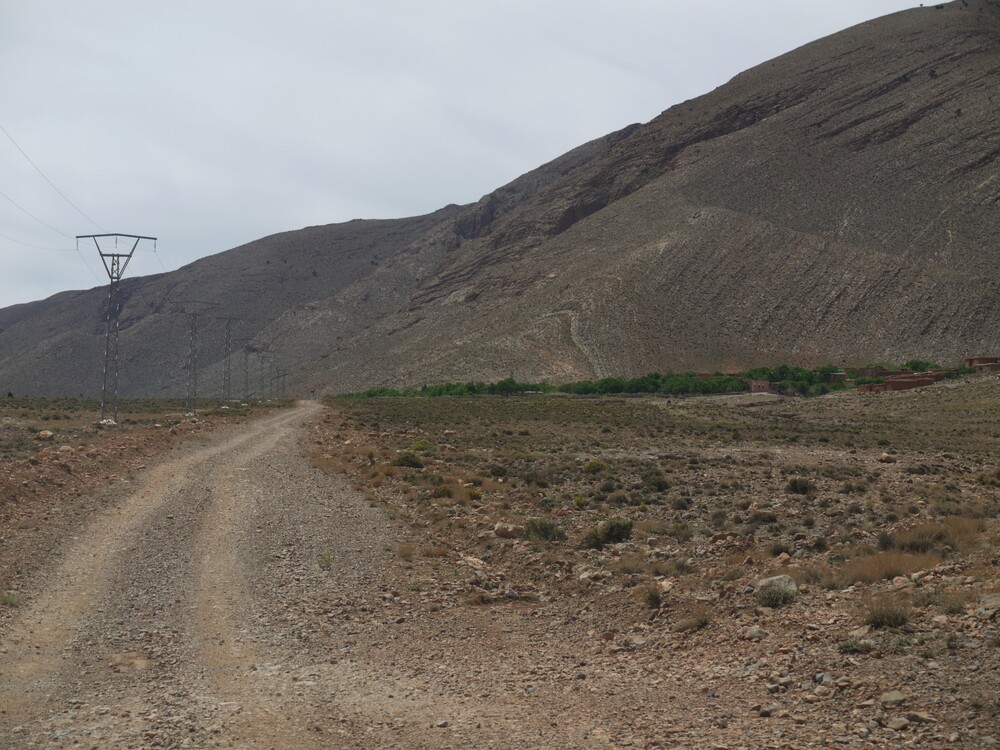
column 630, row 564
column 886, row 611
column 949, row 602
column 650, row 595
column 960, row 532
column 478, row 597
column 884, row 565
column 433, row 550
column 696, row 618
column 651, row 526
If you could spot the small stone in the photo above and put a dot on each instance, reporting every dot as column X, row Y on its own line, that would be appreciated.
column 885, row 458
column 508, row 530
column 441, row 723
column 784, row 582
column 45, row 434
column 898, row 725
column 891, row 698
column 919, row 718
column 753, row 633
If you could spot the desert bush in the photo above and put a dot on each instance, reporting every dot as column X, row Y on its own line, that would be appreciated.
column 800, row 486
column 884, row 565
column 886, row 611
column 409, row 460
column 544, row 530
column 651, row 526
column 699, row 617
column 630, row 564
column 653, row 479
column 763, row 516
column 423, row 446
column 949, row 602
column 681, row 531
column 775, row 597
column 10, row 599
column 854, row 646
column 650, row 595
column 612, row 531
column 595, row 466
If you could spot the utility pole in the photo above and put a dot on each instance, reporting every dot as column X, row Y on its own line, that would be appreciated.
column 193, row 362
column 246, row 374
column 280, row 382
column 229, row 352
column 115, row 264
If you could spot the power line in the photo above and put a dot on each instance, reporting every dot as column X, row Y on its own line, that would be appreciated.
column 56, row 250
column 28, row 213
column 37, row 247
column 51, row 184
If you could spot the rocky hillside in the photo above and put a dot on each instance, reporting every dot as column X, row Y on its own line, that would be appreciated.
column 837, row 203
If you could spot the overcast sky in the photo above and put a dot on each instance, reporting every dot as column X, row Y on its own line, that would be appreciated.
column 212, row 123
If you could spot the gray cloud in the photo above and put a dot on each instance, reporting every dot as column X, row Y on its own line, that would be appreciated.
column 212, row 124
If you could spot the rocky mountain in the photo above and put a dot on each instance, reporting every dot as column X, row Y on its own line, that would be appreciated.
column 838, row 203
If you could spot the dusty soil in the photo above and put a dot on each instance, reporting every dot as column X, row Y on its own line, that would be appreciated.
column 238, row 596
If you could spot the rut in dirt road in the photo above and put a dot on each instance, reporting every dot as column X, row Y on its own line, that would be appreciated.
column 148, row 633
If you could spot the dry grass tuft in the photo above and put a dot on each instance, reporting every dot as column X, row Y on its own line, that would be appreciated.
column 883, row 566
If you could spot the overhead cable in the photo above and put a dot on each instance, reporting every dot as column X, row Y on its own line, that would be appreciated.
column 51, row 184
column 28, row 213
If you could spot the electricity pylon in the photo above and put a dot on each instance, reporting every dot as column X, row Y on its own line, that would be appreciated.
column 115, row 264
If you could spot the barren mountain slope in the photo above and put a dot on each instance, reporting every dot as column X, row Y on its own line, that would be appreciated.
column 835, row 204
column 838, row 203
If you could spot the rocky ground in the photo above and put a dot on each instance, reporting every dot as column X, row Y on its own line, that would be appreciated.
column 468, row 590
column 878, row 513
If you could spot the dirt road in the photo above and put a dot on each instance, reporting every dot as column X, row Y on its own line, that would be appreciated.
column 237, row 597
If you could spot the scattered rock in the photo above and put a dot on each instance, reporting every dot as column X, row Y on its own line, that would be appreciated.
column 782, row 583
column 508, row 530
column 754, row 633
column 891, row 698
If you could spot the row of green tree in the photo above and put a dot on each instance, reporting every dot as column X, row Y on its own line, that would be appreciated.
column 666, row 383
column 783, row 378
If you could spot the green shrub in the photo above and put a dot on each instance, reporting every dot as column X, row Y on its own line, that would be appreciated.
column 423, row 446
column 854, row 646
column 544, row 530
column 409, row 460
column 775, row 597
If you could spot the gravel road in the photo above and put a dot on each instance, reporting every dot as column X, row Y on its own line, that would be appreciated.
column 163, row 623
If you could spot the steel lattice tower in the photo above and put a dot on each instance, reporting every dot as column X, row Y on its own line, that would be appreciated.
column 115, row 264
